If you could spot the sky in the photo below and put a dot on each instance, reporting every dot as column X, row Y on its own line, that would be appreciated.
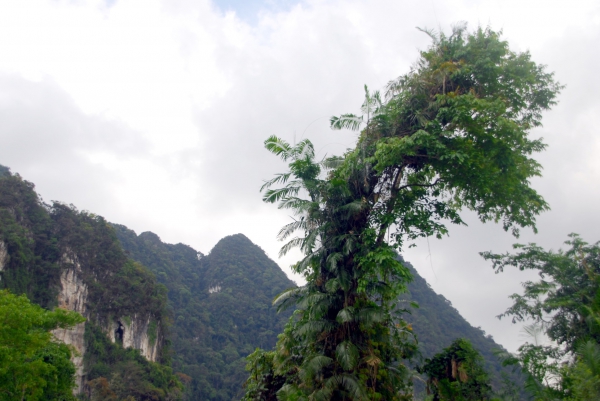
column 153, row 113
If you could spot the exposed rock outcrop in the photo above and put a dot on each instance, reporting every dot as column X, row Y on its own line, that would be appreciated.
column 136, row 332
column 73, row 296
column 3, row 255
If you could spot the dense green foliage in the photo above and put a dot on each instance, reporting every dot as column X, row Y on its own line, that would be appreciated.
column 221, row 305
column 451, row 134
column 565, row 306
column 26, row 233
column 125, row 372
column 32, row 365
column 42, row 241
column 457, row 374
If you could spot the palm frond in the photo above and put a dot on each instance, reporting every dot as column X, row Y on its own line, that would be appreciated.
column 309, row 242
column 290, row 228
column 332, row 261
column 298, row 204
column 278, row 147
column 290, row 294
column 274, row 195
column 332, row 285
column 346, row 315
column 293, row 243
column 312, row 328
column 370, row 315
column 435, row 37
column 347, row 355
column 352, row 385
column 317, row 363
column 311, row 300
column 279, row 178
column 346, row 121
column 304, row 149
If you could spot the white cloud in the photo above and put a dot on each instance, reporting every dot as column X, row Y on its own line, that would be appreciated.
column 153, row 113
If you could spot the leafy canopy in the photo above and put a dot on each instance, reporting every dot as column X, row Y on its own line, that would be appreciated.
column 453, row 133
column 33, row 366
column 564, row 304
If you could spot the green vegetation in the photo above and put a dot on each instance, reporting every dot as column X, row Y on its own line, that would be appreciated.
column 451, row 134
column 457, row 374
column 32, row 365
column 26, row 232
column 212, row 333
column 42, row 241
column 564, row 305
column 221, row 304
column 121, row 373
column 254, row 280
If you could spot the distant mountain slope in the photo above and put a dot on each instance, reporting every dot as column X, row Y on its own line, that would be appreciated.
column 437, row 324
column 221, row 305
column 222, row 308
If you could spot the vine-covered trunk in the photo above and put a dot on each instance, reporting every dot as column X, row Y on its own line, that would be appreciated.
column 450, row 134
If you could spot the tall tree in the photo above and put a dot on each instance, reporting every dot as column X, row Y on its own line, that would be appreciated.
column 453, row 133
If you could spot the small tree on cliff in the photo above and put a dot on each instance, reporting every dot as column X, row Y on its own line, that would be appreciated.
column 453, row 133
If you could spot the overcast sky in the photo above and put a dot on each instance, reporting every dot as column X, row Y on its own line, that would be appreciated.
column 153, row 113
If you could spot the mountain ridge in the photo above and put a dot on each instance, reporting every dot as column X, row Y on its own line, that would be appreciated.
column 435, row 322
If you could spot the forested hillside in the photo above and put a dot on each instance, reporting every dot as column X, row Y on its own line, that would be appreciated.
column 221, row 304
column 222, row 308
column 59, row 256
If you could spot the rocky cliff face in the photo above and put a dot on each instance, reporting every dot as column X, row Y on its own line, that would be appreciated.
column 73, row 296
column 135, row 332
column 3, row 255
column 138, row 332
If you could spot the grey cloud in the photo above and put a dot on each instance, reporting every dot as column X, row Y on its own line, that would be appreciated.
column 46, row 138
